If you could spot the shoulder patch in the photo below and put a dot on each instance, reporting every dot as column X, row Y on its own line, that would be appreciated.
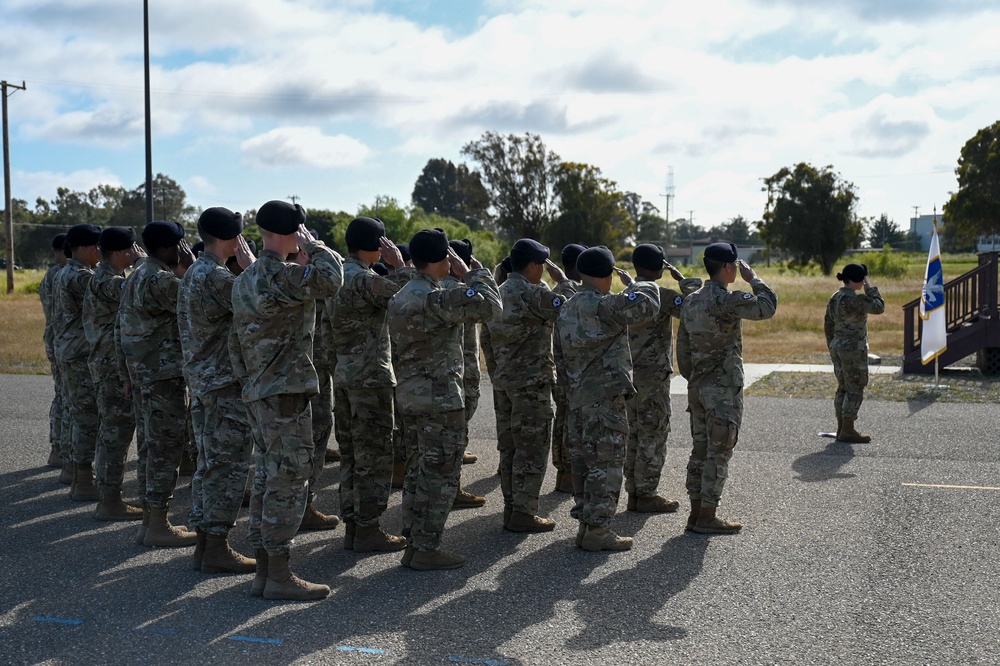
column 470, row 292
column 747, row 297
column 678, row 300
column 632, row 296
column 306, row 272
column 556, row 302
column 122, row 285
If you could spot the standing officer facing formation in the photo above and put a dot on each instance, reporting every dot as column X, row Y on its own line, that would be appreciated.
column 710, row 357
column 59, row 410
column 846, row 329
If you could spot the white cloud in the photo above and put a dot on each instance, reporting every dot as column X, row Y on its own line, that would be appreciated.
column 30, row 185
column 303, row 146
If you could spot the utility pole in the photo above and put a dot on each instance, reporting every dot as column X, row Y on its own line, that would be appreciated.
column 294, row 198
column 149, row 131
column 669, row 196
column 8, row 214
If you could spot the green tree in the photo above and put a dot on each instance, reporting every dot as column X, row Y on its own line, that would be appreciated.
column 591, row 209
column 169, row 203
column 454, row 191
column 974, row 210
column 810, row 215
column 883, row 231
column 518, row 172
column 649, row 225
column 735, row 230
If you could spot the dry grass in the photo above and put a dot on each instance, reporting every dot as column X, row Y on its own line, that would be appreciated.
column 21, row 348
column 963, row 386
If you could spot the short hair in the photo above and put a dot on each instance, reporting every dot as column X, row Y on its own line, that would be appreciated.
column 205, row 236
column 518, row 261
column 420, row 265
column 713, row 266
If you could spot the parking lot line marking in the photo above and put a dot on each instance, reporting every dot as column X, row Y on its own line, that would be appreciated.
column 57, row 620
column 351, row 648
column 254, row 639
column 938, row 485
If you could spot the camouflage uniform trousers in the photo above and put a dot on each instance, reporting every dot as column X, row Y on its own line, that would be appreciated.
column 117, row 427
column 851, row 369
column 140, row 440
column 163, row 405
column 471, row 406
column 435, row 444
column 322, row 425
column 524, row 435
column 59, row 428
column 597, row 438
column 560, row 449
column 283, row 459
column 364, row 423
column 225, row 445
column 192, row 449
column 82, row 399
column 716, row 413
column 649, row 425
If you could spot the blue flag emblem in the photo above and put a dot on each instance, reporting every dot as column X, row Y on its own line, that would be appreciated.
column 934, row 285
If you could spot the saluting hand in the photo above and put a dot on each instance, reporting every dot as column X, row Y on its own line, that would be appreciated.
column 623, row 275
column 458, row 267
column 185, row 255
column 244, row 257
column 136, row 253
column 674, row 272
column 554, row 271
column 390, row 253
column 746, row 272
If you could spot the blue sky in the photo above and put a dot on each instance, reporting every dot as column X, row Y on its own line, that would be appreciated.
column 339, row 102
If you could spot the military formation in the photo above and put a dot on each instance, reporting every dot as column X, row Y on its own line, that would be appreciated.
column 262, row 354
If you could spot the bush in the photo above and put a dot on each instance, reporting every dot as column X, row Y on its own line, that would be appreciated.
column 887, row 263
column 29, row 287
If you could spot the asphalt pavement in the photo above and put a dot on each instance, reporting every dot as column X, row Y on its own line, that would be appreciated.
column 883, row 553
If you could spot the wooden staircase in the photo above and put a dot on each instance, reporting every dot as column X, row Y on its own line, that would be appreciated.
column 972, row 320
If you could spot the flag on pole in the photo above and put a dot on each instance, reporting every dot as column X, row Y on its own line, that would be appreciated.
column 934, row 336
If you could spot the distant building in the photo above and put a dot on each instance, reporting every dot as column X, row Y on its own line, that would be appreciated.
column 923, row 227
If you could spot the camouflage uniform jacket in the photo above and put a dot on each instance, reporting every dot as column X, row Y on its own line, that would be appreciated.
column 147, row 323
column 567, row 289
column 100, row 312
column 360, row 327
column 522, row 335
column 46, row 296
column 425, row 324
column 274, row 319
column 593, row 331
column 69, row 286
column 323, row 350
column 470, row 346
column 846, row 320
column 710, row 337
column 652, row 344
column 204, row 320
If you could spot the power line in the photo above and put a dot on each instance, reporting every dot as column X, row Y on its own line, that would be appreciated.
column 8, row 213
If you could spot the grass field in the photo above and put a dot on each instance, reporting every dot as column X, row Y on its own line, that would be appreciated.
column 794, row 335
column 967, row 386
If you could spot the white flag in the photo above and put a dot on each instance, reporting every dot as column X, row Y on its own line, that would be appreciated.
column 934, row 336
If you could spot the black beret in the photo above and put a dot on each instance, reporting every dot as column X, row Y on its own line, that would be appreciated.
column 854, row 273
column 281, row 217
column 117, row 238
column 363, row 233
column 380, row 268
column 463, row 248
column 59, row 241
column 404, row 249
column 722, row 252
column 198, row 248
column 570, row 253
column 162, row 233
column 648, row 256
column 220, row 223
column 252, row 244
column 532, row 250
column 596, row 262
column 429, row 245
column 506, row 264
column 82, row 235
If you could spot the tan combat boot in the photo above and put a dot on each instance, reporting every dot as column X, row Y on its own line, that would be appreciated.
column 840, row 426
column 314, row 521
column 283, row 584
column 525, row 522
column 199, row 549
column 349, row 529
column 564, row 482
column 466, row 500
column 332, row 455
column 140, row 535
column 602, row 538
column 469, row 458
column 221, row 558
column 654, row 504
column 111, row 507
column 66, row 475
column 398, row 472
column 695, row 512
column 407, row 556
column 260, row 580
column 435, row 560
column 83, row 489
column 54, row 459
column 507, row 513
column 851, row 436
column 160, row 533
column 373, row 540
column 580, row 533
column 708, row 523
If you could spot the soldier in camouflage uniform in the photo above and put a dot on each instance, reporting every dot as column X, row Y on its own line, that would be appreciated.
column 364, row 384
column 119, row 251
column 652, row 349
column 471, row 376
column 425, row 322
column 560, row 449
column 710, row 357
column 150, row 344
column 593, row 330
column 846, row 328
column 58, row 411
column 274, row 315
column 72, row 350
column 521, row 337
column 218, row 415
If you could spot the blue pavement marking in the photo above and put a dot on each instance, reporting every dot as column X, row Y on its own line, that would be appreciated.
column 253, row 639
column 472, row 660
column 57, row 620
column 349, row 648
